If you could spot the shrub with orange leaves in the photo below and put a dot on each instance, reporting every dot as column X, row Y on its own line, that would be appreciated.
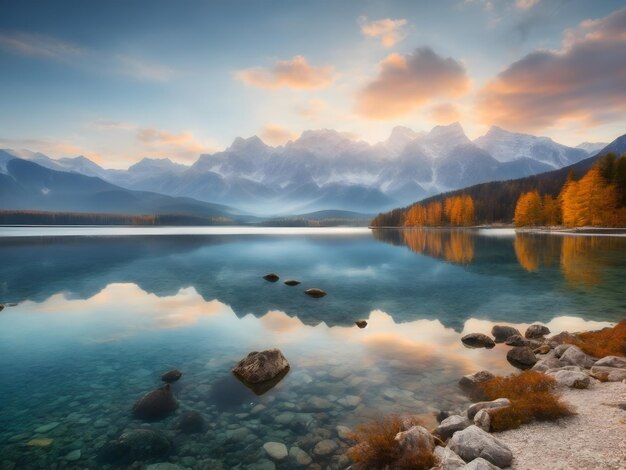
column 532, row 395
column 605, row 342
column 376, row 447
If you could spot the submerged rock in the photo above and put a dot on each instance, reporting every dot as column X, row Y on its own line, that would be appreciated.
column 276, row 450
column 536, row 331
column 521, row 357
column 40, row 442
column 156, row 404
column 136, row 444
column 261, row 371
column 171, row 376
column 472, row 443
column 325, row 447
column 478, row 340
column 361, row 323
column 73, row 456
column 315, row 293
column 191, row 422
column 292, row 282
column 271, row 277
column 301, row 457
column 501, row 333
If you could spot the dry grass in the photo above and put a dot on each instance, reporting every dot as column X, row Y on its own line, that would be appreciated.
column 376, row 447
column 605, row 342
column 532, row 395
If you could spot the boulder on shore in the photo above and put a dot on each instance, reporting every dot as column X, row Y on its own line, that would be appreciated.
column 259, row 368
column 576, row 357
column 171, row 376
column 501, row 333
column 156, row 404
column 472, row 443
column 610, row 369
column 478, row 340
column 536, row 331
column 521, row 357
column 472, row 384
column 415, row 439
column 450, row 425
column 315, row 293
column 487, row 405
column 570, row 378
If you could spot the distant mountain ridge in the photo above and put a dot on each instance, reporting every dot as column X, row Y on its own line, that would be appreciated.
column 326, row 169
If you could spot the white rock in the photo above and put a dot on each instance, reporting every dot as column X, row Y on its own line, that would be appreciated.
column 416, row 438
column 447, row 459
column 300, row 456
column 483, row 420
column 480, row 464
column 570, row 378
column 473, row 442
column 452, row 424
column 325, row 447
column 476, row 407
column 276, row 450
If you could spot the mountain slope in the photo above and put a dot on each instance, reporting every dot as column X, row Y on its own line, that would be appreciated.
column 27, row 185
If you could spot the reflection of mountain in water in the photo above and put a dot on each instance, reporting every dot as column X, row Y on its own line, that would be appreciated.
column 502, row 279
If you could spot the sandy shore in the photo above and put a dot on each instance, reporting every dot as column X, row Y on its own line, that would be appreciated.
column 593, row 439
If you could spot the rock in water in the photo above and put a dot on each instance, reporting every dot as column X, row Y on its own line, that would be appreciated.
column 472, row 384
column 521, row 357
column 361, row 323
column 292, row 282
column 191, row 422
column 276, row 450
column 136, row 444
column 271, row 277
column 315, row 293
column 502, row 333
column 472, row 443
column 478, row 340
column 1, row 307
column 536, row 331
column 156, row 404
column 171, row 376
column 262, row 368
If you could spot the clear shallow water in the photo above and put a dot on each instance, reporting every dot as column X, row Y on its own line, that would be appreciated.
column 99, row 318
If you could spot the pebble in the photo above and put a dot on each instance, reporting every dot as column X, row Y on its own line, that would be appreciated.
column 276, row 450
column 300, row 456
column 40, row 442
column 325, row 447
column 73, row 455
column 47, row 427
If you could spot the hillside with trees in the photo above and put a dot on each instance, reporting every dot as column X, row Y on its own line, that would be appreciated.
column 495, row 202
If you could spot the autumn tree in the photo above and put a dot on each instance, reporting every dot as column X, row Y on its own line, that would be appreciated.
column 529, row 210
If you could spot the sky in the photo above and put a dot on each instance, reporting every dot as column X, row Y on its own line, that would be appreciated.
column 120, row 80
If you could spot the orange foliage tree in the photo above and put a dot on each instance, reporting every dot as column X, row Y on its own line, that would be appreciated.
column 454, row 211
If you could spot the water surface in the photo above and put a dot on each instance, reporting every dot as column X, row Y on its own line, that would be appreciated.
column 98, row 318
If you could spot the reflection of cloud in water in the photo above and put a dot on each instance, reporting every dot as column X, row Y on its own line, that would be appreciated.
column 121, row 311
column 326, row 270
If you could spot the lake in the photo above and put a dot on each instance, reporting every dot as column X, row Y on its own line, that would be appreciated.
column 101, row 313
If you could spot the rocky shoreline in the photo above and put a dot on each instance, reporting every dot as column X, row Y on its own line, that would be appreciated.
column 590, row 397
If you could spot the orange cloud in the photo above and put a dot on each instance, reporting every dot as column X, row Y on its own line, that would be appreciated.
column 584, row 81
column 389, row 31
column 183, row 146
column 525, row 4
column 312, row 109
column 295, row 73
column 444, row 113
column 277, row 135
column 406, row 82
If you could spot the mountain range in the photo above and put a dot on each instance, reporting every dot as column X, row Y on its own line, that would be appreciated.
column 322, row 169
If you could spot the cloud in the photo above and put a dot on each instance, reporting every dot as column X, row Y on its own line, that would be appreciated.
column 312, row 109
column 406, row 82
column 277, row 135
column 444, row 113
column 37, row 45
column 182, row 146
column 295, row 73
column 142, row 70
column 389, row 31
column 584, row 81
column 525, row 4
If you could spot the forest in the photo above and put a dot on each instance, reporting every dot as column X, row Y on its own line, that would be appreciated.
column 24, row 217
column 495, row 202
column 598, row 199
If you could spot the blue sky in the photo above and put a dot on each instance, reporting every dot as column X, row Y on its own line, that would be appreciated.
column 120, row 80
